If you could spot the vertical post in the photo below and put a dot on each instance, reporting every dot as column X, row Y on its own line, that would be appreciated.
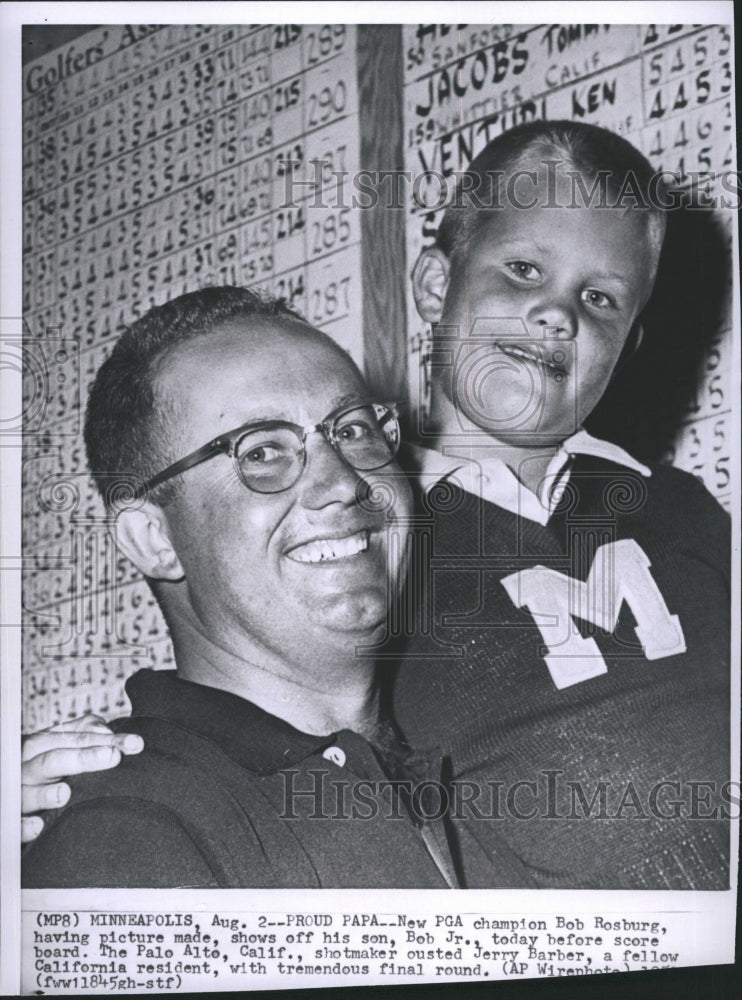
column 383, row 257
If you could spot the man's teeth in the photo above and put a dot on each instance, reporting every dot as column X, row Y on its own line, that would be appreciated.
column 330, row 548
column 532, row 356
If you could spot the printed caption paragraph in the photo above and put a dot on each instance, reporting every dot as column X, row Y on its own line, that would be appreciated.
column 98, row 952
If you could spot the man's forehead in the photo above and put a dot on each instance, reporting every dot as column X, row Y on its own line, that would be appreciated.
column 264, row 369
column 251, row 341
column 256, row 333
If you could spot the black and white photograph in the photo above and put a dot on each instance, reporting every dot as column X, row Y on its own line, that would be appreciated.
column 370, row 450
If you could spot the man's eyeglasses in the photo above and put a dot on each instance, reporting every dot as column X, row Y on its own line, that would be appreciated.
column 269, row 456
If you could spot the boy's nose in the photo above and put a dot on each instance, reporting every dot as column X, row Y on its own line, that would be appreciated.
column 554, row 313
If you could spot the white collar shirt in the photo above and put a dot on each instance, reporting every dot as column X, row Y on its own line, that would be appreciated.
column 491, row 479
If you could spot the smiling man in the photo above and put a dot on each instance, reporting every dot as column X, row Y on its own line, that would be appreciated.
column 255, row 455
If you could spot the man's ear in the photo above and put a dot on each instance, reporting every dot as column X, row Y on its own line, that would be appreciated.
column 142, row 535
column 430, row 277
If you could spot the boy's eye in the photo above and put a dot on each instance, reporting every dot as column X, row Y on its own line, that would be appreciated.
column 522, row 269
column 598, row 299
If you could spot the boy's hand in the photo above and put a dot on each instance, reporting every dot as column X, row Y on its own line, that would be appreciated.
column 84, row 744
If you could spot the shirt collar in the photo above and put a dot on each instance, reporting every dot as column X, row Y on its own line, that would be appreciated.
column 489, row 478
column 253, row 738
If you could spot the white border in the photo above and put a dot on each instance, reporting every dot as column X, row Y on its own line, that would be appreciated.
column 12, row 16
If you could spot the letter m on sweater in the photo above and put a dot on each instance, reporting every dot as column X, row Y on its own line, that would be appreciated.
column 620, row 572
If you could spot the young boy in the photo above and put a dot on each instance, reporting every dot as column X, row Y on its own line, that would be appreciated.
column 578, row 599
column 576, row 667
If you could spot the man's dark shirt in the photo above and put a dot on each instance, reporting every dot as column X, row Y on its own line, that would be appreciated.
column 202, row 805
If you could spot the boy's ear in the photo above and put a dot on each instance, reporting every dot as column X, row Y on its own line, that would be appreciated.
column 142, row 535
column 430, row 277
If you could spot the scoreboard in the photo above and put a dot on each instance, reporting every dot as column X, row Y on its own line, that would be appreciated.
column 159, row 159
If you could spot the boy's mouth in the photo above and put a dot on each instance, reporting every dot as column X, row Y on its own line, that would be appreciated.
column 533, row 355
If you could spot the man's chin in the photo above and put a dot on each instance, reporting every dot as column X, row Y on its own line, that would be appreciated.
column 359, row 616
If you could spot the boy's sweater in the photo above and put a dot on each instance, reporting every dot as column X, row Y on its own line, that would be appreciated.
column 477, row 683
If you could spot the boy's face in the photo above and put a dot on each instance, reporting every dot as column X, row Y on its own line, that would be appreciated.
column 539, row 307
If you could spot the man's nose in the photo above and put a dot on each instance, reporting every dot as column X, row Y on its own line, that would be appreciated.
column 327, row 477
column 553, row 314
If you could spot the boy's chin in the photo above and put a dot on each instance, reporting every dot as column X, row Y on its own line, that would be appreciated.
column 532, row 439
column 540, row 432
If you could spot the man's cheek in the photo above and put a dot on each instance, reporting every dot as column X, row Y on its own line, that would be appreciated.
column 260, row 517
column 387, row 494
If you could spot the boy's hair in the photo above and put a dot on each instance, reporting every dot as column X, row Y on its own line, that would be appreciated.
column 592, row 151
column 128, row 424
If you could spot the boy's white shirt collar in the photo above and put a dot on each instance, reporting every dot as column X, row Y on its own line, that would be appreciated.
column 492, row 480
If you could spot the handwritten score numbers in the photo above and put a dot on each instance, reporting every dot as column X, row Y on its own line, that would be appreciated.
column 158, row 160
